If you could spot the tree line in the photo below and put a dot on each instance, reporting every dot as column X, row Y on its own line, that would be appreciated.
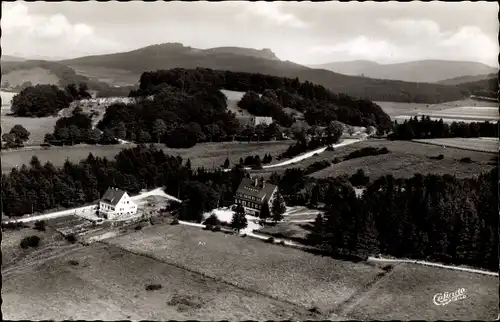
column 425, row 128
column 432, row 217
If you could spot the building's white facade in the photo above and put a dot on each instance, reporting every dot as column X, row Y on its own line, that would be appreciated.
column 116, row 203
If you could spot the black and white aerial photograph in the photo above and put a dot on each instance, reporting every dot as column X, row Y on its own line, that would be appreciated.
column 236, row 160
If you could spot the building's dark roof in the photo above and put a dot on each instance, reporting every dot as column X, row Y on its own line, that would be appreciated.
column 247, row 187
column 112, row 196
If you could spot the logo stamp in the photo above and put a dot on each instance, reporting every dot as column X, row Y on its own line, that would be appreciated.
column 447, row 298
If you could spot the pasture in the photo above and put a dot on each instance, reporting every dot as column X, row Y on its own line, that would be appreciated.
column 112, row 76
column 473, row 144
column 35, row 75
column 284, row 274
column 406, row 158
column 407, row 293
column 37, row 126
column 463, row 110
column 208, row 155
column 79, row 284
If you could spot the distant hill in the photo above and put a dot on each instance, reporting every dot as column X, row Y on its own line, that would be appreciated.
column 43, row 72
column 487, row 87
column 8, row 58
column 174, row 55
column 467, row 79
column 427, row 71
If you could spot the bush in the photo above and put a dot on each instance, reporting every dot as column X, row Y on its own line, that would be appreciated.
column 316, row 166
column 74, row 262
column 31, row 241
column 330, row 148
column 244, row 235
column 270, row 240
column 138, row 227
column 439, row 157
column 175, row 221
column 282, row 242
column 466, row 160
column 25, row 243
column 40, row 225
column 387, row 267
column 212, row 220
column 336, row 160
column 216, row 228
column 208, row 227
column 153, row 287
column 71, row 238
column 364, row 152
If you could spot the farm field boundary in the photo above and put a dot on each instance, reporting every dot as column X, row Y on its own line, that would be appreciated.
column 486, row 145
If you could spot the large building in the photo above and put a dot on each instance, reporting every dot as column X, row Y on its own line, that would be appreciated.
column 116, row 203
column 253, row 193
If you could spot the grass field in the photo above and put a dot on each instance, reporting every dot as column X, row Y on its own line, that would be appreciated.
column 35, row 75
column 407, row 294
column 112, row 76
column 37, row 126
column 473, row 144
column 283, row 273
column 405, row 159
column 395, row 109
column 233, row 98
column 108, row 283
column 226, row 278
column 203, row 154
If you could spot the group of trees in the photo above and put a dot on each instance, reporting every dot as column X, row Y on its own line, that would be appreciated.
column 77, row 129
column 16, row 137
column 46, row 100
column 432, row 217
column 175, row 117
column 40, row 101
column 425, row 128
column 367, row 151
column 319, row 105
column 268, row 104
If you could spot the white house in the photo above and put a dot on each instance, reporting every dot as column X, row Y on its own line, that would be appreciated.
column 253, row 193
column 116, row 203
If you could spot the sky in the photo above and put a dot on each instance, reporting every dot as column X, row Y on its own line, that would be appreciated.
column 302, row 32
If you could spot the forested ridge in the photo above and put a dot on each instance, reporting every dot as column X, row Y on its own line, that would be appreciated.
column 425, row 217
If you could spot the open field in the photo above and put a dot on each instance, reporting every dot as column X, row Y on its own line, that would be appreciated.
column 37, row 126
column 407, row 293
column 473, row 144
column 109, row 284
column 203, row 154
column 6, row 99
column 112, row 76
column 283, row 273
column 35, row 75
column 401, row 111
column 233, row 98
column 407, row 158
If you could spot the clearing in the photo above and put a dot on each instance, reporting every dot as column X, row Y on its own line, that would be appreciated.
column 405, row 159
column 79, row 284
column 37, row 126
column 473, row 144
column 285, row 274
column 208, row 155
column 233, row 98
column 407, row 294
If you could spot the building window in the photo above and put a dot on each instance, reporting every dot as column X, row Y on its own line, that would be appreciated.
column 244, row 203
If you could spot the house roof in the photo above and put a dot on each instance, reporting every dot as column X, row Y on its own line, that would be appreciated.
column 112, row 196
column 247, row 187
